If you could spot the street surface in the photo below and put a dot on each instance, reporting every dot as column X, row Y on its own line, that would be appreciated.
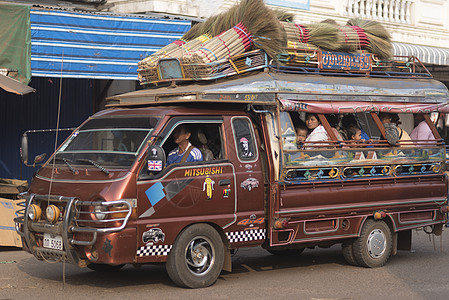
column 316, row 274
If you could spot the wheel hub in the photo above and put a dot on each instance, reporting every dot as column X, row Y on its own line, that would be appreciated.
column 376, row 243
column 199, row 256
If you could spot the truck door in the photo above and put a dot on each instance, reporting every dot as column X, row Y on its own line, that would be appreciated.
column 186, row 193
column 249, row 178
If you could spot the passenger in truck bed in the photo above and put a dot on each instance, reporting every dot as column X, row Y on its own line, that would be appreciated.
column 301, row 135
column 185, row 152
column 318, row 133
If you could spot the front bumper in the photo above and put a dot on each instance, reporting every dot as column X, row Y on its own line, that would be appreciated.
column 76, row 225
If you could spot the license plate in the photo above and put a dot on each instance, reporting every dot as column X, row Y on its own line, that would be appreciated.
column 52, row 241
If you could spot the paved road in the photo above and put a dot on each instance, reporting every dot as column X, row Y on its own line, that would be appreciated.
column 316, row 274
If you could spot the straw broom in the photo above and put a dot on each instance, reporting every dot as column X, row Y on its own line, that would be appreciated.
column 379, row 40
column 322, row 35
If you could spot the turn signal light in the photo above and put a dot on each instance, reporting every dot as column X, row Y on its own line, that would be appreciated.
column 379, row 215
column 34, row 212
column 444, row 209
column 52, row 212
column 280, row 223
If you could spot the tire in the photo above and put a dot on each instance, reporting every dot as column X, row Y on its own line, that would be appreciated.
column 197, row 257
column 104, row 267
column 348, row 253
column 373, row 248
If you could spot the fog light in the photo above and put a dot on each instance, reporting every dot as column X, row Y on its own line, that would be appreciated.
column 52, row 212
column 100, row 212
column 34, row 212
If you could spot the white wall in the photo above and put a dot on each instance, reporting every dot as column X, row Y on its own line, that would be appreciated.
column 423, row 22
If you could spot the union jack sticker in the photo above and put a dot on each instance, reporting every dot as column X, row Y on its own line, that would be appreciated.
column 155, row 165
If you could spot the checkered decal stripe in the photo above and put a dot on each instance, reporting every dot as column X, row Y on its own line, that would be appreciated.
column 151, row 250
column 246, row 235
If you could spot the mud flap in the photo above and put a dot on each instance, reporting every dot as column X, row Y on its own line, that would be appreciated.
column 404, row 240
column 227, row 264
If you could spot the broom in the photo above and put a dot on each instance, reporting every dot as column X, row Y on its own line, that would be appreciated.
column 321, row 35
column 379, row 40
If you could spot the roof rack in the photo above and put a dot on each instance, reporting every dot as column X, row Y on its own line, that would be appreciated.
column 293, row 60
column 302, row 61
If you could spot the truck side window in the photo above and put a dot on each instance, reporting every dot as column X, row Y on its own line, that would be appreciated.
column 288, row 131
column 244, row 139
column 206, row 137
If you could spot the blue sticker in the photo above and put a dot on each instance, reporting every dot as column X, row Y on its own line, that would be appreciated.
column 155, row 193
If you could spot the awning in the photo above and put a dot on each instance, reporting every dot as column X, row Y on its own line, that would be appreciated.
column 13, row 86
column 426, row 54
column 340, row 107
column 97, row 46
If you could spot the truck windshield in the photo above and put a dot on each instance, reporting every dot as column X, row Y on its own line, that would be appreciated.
column 107, row 142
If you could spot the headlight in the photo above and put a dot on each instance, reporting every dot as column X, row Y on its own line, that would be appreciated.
column 100, row 212
column 52, row 212
column 34, row 212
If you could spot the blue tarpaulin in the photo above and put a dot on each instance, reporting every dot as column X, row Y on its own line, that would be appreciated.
column 97, row 46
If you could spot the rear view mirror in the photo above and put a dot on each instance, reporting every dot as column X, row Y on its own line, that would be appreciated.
column 155, row 159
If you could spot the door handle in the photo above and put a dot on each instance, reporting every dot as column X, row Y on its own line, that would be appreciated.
column 224, row 182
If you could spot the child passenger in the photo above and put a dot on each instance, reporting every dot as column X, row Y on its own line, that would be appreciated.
column 301, row 135
column 354, row 134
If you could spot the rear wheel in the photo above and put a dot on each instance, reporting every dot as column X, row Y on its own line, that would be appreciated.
column 348, row 253
column 372, row 249
column 197, row 257
column 104, row 267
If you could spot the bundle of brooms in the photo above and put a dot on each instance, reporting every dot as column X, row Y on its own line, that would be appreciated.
column 248, row 25
column 252, row 25
column 357, row 36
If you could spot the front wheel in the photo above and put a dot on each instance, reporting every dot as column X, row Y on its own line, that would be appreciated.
column 372, row 249
column 197, row 257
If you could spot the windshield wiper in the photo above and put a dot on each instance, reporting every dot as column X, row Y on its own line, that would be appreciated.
column 95, row 164
column 67, row 162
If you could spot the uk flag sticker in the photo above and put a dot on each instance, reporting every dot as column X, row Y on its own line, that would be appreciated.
column 155, row 165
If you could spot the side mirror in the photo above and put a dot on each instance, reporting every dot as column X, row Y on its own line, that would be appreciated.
column 39, row 158
column 155, row 159
column 24, row 149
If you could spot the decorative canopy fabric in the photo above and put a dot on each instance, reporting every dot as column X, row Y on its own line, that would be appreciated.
column 15, row 41
column 426, row 54
column 329, row 107
column 100, row 46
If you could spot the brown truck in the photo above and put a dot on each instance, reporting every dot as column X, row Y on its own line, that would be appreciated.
column 107, row 198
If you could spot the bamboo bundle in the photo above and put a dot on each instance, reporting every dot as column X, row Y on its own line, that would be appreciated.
column 301, row 46
column 175, row 49
column 163, row 52
column 229, row 43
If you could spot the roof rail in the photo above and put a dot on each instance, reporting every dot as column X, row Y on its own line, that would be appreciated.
column 292, row 60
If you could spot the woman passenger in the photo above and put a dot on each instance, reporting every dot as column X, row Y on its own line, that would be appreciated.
column 318, row 133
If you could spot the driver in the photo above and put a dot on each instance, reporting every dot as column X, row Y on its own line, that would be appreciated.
column 185, row 152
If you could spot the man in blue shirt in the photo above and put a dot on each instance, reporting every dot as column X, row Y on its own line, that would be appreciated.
column 185, row 152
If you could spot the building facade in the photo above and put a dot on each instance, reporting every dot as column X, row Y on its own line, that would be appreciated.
column 417, row 27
